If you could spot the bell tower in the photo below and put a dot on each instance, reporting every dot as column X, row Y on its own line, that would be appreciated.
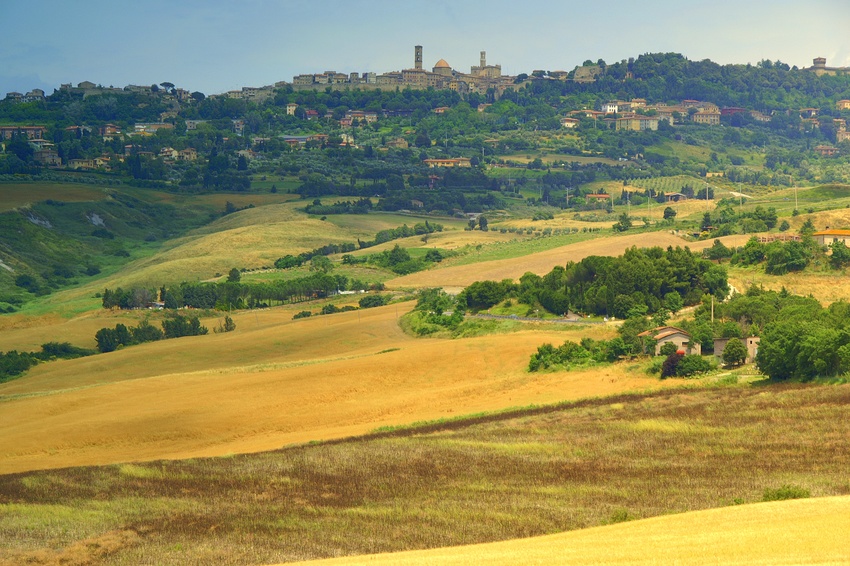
column 483, row 60
column 417, row 57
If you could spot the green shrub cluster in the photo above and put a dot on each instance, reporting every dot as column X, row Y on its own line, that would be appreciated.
column 110, row 339
column 14, row 363
column 572, row 354
column 785, row 492
column 679, row 365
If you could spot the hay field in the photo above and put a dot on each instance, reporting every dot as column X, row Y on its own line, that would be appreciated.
column 274, row 382
column 803, row 531
column 543, row 262
column 825, row 286
column 15, row 195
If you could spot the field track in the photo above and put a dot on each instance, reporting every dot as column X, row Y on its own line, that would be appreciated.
column 802, row 531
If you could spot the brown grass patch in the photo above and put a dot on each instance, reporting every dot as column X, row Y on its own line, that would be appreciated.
column 81, row 553
column 526, row 473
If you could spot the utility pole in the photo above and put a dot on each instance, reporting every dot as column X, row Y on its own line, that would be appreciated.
column 795, row 193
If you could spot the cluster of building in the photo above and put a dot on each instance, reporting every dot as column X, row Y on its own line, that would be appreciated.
column 34, row 95
column 480, row 78
column 88, row 88
column 637, row 115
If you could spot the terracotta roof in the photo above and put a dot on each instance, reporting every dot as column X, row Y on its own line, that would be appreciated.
column 832, row 233
column 663, row 331
column 442, row 64
column 663, row 335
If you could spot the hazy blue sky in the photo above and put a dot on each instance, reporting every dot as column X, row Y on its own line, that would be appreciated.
column 218, row 45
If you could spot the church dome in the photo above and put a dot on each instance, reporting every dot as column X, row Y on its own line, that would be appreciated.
column 442, row 64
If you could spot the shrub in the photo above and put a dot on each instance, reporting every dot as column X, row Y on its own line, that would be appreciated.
column 670, row 365
column 371, row 301
column 302, row 314
column 667, row 349
column 692, row 365
column 329, row 309
column 228, row 326
column 785, row 492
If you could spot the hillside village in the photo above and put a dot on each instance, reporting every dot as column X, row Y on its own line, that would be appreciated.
column 184, row 110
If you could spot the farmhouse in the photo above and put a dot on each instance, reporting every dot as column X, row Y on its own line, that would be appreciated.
column 827, row 237
column 664, row 334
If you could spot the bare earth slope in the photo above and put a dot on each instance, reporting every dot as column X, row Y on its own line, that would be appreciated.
column 803, row 531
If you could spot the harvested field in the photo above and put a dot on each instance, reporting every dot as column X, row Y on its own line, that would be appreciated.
column 274, row 382
column 808, row 531
column 543, row 262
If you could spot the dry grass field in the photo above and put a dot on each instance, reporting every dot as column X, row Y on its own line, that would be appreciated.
column 825, row 286
column 526, row 473
column 272, row 382
column 808, row 531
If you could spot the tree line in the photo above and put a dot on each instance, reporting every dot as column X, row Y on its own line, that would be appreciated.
column 14, row 363
column 644, row 279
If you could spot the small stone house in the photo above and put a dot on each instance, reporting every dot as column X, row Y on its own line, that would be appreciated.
column 664, row 334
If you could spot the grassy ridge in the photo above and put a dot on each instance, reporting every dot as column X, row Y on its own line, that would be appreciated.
column 492, row 478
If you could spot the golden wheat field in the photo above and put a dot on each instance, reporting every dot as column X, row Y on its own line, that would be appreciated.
column 803, row 531
column 275, row 382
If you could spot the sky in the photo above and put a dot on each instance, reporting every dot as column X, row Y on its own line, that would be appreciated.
column 217, row 45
